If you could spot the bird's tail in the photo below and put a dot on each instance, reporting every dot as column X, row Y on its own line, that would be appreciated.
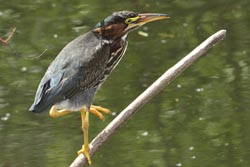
column 46, row 102
column 40, row 107
column 50, row 98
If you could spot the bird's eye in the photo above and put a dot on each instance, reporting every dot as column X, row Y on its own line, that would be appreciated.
column 128, row 21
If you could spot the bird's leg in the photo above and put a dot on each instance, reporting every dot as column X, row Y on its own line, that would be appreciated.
column 96, row 110
column 85, row 127
column 57, row 113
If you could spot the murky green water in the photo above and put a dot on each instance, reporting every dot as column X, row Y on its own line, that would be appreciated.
column 201, row 119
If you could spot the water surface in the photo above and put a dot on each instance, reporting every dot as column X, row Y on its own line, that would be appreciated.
column 201, row 119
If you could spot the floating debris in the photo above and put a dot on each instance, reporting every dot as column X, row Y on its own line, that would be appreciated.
column 144, row 34
column 144, row 133
column 55, row 36
column 163, row 41
column 199, row 89
column 5, row 117
column 201, row 118
column 165, row 35
column 191, row 148
column 193, row 157
column 53, row 5
column 178, row 164
column 185, row 24
column 113, row 113
column 24, row 69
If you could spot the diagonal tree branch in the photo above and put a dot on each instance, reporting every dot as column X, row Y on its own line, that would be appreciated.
column 149, row 93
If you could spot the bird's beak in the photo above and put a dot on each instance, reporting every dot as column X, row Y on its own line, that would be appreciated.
column 149, row 17
column 144, row 18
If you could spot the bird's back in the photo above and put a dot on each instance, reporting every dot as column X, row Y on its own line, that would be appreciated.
column 77, row 68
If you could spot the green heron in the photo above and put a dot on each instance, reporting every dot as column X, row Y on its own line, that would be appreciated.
column 82, row 66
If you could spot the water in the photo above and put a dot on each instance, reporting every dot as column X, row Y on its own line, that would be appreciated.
column 201, row 119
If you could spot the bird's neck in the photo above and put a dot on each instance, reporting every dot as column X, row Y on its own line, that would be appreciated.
column 111, row 33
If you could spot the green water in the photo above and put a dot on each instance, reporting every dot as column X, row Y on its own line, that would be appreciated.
column 201, row 120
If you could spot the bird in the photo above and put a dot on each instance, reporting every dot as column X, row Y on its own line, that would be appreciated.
column 81, row 67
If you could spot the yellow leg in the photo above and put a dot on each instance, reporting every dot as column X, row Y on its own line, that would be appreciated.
column 57, row 113
column 96, row 110
column 85, row 127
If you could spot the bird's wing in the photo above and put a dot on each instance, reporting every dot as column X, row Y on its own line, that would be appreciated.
column 78, row 67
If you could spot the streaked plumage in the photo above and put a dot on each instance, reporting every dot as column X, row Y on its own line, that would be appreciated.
column 79, row 70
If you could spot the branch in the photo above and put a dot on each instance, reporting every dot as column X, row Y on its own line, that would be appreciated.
column 149, row 93
column 6, row 41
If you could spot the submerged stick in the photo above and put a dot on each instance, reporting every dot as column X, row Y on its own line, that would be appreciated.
column 149, row 93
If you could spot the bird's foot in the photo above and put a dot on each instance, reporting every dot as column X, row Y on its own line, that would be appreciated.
column 96, row 110
column 57, row 113
column 85, row 152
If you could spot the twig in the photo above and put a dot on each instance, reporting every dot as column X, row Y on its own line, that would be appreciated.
column 11, row 34
column 149, row 93
column 37, row 57
column 3, row 41
column 6, row 41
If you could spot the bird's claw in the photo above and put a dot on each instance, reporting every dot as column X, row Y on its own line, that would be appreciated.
column 85, row 152
column 96, row 110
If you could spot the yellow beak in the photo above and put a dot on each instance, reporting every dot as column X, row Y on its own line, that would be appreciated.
column 149, row 17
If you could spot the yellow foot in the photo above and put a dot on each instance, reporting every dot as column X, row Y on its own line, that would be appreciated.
column 96, row 110
column 57, row 113
column 85, row 152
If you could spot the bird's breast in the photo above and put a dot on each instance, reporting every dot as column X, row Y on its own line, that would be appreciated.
column 117, row 51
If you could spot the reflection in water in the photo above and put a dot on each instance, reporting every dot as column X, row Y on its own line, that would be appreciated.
column 201, row 119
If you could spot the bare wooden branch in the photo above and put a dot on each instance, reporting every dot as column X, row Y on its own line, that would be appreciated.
column 149, row 93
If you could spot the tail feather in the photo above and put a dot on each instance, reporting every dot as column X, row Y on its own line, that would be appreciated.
column 50, row 97
column 47, row 101
column 40, row 107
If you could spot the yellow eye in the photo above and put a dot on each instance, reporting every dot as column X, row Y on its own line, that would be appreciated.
column 131, row 20
column 128, row 21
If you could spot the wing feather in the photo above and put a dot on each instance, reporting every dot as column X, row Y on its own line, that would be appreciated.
column 77, row 68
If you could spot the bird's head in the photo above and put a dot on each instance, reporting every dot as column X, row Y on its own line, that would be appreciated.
column 120, row 23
